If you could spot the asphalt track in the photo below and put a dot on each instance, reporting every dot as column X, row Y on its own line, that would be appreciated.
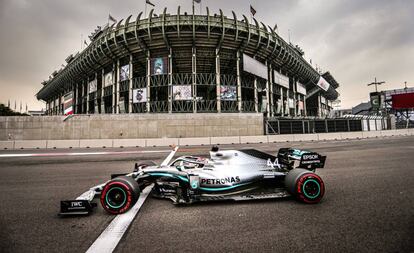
column 368, row 205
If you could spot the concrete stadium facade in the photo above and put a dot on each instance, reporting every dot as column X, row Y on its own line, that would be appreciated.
column 184, row 63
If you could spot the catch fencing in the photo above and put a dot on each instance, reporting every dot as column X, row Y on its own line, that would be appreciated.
column 313, row 125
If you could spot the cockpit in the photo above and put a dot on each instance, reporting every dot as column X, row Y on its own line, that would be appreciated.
column 189, row 163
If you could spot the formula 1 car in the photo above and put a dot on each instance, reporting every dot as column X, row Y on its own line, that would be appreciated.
column 226, row 175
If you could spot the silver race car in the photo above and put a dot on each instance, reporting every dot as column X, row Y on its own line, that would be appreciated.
column 227, row 175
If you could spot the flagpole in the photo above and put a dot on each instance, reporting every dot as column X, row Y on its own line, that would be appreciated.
column 193, row 7
column 145, row 9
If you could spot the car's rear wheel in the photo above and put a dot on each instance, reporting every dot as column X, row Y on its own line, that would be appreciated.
column 305, row 185
column 120, row 194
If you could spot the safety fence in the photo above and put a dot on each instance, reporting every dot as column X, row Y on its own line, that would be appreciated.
column 313, row 125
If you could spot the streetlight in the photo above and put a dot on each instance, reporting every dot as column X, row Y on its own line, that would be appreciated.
column 376, row 84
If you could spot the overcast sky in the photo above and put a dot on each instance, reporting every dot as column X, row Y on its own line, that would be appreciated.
column 355, row 40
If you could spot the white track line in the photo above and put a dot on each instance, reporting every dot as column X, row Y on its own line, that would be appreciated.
column 84, row 153
column 110, row 237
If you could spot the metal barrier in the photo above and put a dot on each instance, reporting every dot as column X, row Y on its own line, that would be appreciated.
column 305, row 126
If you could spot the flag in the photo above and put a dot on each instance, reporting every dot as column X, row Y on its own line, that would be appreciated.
column 148, row 2
column 252, row 10
column 197, row 1
column 68, row 105
column 275, row 27
column 8, row 103
column 110, row 18
column 20, row 106
column 26, row 107
column 15, row 106
column 84, row 41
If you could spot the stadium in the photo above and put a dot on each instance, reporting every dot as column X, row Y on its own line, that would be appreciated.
column 186, row 63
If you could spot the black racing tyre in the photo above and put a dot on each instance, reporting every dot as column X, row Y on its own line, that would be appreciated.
column 305, row 185
column 119, row 195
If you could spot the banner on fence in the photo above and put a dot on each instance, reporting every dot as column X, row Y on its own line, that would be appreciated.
column 139, row 95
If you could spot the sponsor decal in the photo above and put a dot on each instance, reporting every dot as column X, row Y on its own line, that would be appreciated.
column 323, row 84
column 228, row 93
column 274, row 164
column 310, row 157
column 76, row 204
column 159, row 66
column 139, row 95
column 108, row 79
column 124, row 73
column 225, row 180
column 93, row 86
column 182, row 92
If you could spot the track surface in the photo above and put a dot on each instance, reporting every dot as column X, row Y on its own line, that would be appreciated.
column 368, row 205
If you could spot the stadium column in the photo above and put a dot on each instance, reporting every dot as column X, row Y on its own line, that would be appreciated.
column 95, row 101
column 319, row 106
column 282, row 103
column 239, row 97
column 170, row 81
column 58, row 105
column 295, row 112
column 304, row 106
column 102, row 93
column 130, row 84
column 193, row 77
column 113, row 88
column 83, row 95
column 272, row 103
column 218, row 88
column 287, row 101
column 267, row 91
column 87, row 95
column 148, row 80
column 117, row 87
column 75, row 98
column 256, row 98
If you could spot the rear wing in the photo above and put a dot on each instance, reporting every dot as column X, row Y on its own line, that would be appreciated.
column 307, row 159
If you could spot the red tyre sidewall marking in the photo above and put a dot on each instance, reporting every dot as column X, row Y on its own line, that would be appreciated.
column 128, row 201
column 299, row 186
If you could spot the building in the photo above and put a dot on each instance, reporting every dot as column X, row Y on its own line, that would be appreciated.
column 185, row 63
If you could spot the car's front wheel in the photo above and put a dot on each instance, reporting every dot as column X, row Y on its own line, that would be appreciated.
column 305, row 185
column 119, row 195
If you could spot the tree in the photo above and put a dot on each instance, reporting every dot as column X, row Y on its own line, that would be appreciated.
column 6, row 111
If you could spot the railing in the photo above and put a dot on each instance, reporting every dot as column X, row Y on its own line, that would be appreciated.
column 107, row 91
column 159, row 80
column 228, row 80
column 182, row 106
column 139, row 108
column 182, row 78
column 248, row 106
column 302, row 126
column 124, row 86
column 139, row 82
column 205, row 79
column 206, row 106
column 229, row 106
column 159, row 106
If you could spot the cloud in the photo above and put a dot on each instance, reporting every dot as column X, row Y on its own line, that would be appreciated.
column 355, row 40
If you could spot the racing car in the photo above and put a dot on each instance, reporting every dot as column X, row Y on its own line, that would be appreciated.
column 226, row 175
